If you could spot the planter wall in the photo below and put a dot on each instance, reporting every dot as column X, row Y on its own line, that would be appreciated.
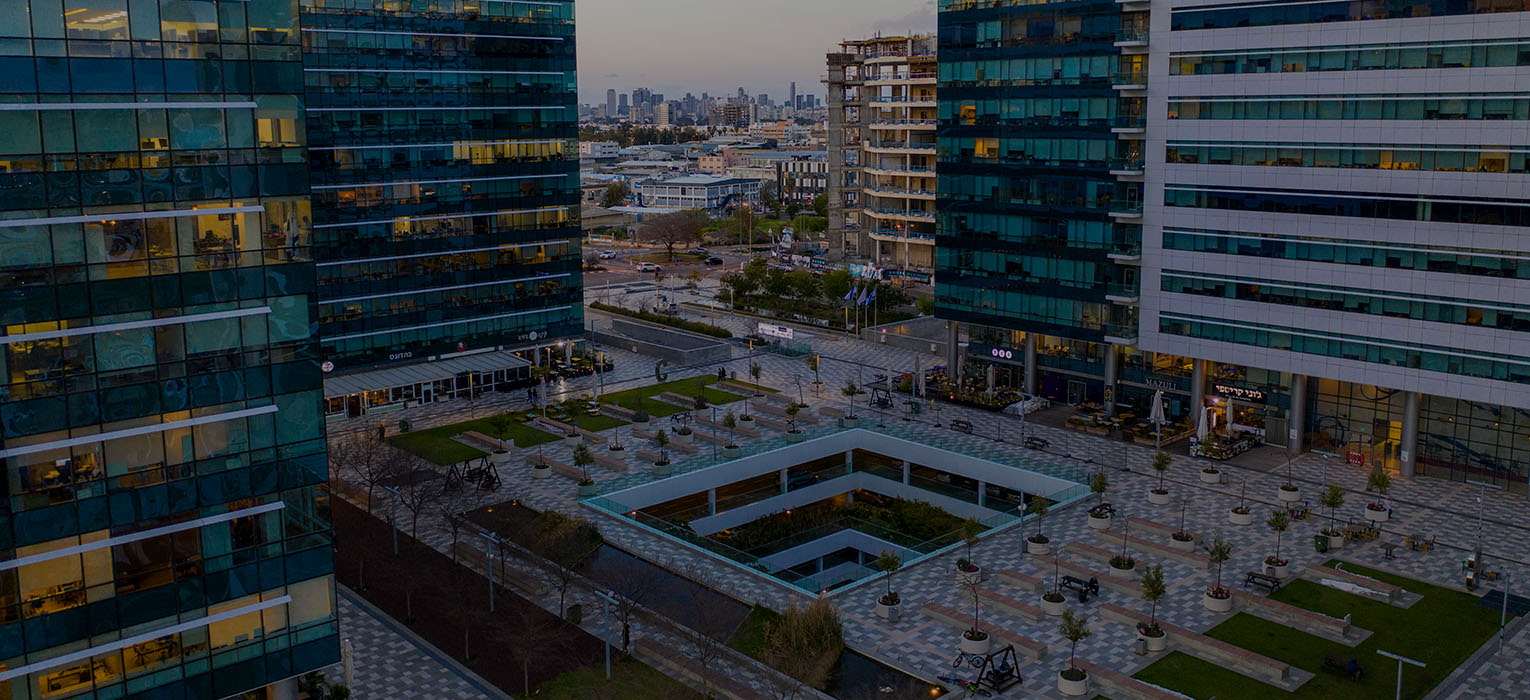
column 1288, row 496
column 587, row 491
column 969, row 577
column 1054, row 609
column 1211, row 478
column 891, row 613
column 1378, row 516
column 663, row 469
column 975, row 647
column 1159, row 643
column 1181, row 545
column 541, row 472
column 1072, row 688
column 1040, row 548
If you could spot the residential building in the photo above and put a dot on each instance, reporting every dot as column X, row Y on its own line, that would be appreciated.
column 599, row 150
column 716, row 195
column 446, row 195
column 719, row 161
column 1329, row 251
column 882, row 158
column 166, row 527
column 797, row 175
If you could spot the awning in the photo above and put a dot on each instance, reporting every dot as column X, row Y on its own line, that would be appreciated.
column 410, row 375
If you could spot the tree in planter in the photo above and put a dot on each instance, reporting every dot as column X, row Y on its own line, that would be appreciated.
column 887, row 563
column 1098, row 485
column 975, row 633
column 1153, row 591
column 1333, row 500
column 1279, row 521
column 583, row 459
column 1123, row 560
column 850, row 390
column 1218, row 551
column 1380, row 480
column 661, row 439
column 791, row 416
column 730, row 422
column 1075, row 629
column 499, row 426
column 1242, row 507
column 701, row 399
column 754, row 374
column 1161, row 463
column 1038, row 507
column 639, row 413
column 1290, row 484
column 970, row 530
column 1182, row 535
column 812, row 363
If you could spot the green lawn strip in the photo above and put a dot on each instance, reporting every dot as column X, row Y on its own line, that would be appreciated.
column 630, row 680
column 437, row 445
column 628, row 398
column 1442, row 630
column 749, row 638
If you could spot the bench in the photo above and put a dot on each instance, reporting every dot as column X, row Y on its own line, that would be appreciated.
column 1300, row 618
column 618, row 412
column 1137, row 523
column 743, row 428
column 1254, row 578
column 492, row 443
column 962, row 620
column 740, row 388
column 1197, row 560
column 649, row 456
column 830, row 411
column 1378, row 589
column 1037, row 443
column 770, row 409
column 562, row 429
column 610, row 462
column 1018, row 580
column 1084, row 588
column 1120, row 585
column 558, row 468
column 962, row 426
column 1009, row 606
column 773, row 424
column 1215, row 651
column 1123, row 687
column 1343, row 664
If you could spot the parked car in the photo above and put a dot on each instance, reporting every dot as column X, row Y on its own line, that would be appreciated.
column 714, row 261
column 647, row 267
column 607, row 255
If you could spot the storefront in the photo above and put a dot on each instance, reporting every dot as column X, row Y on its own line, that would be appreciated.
column 396, row 388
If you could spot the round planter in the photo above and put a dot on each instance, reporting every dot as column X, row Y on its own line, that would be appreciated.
column 684, row 438
column 586, row 491
column 1287, row 495
column 890, row 613
column 1158, row 499
column 732, row 452
column 794, row 436
column 848, row 422
column 1072, row 688
column 1053, row 609
column 501, row 457
column 571, row 440
column 1237, row 518
column 1040, row 548
column 976, row 647
column 663, row 469
column 1277, row 571
column 969, row 577
column 1377, row 516
column 1211, row 477
column 1099, row 523
column 617, row 449
column 1159, row 643
column 541, row 471
column 1217, row 605
column 1182, row 545
column 1336, row 541
column 1123, row 573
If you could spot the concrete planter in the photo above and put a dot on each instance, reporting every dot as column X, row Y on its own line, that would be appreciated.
column 890, row 613
column 1288, row 495
column 1377, row 516
column 1277, row 571
column 733, row 452
column 794, row 436
column 1099, row 523
column 1054, row 609
column 849, row 422
column 1035, row 547
column 1072, row 688
column 1125, row 573
column 1182, row 545
column 541, row 471
column 571, row 440
column 1158, row 499
column 1217, row 605
column 1211, row 477
column 969, row 577
column 1336, row 541
column 663, row 469
column 976, row 647
column 586, row 491
column 1159, row 643
column 684, row 438
column 1237, row 518
column 501, row 457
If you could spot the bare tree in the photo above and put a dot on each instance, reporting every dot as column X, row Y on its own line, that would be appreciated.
column 707, row 633
column 532, row 638
column 563, row 543
column 679, row 228
column 419, row 488
column 370, row 458
column 633, row 583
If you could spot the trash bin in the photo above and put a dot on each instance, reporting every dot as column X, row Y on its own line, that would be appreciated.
column 576, row 613
column 1320, row 542
column 1140, row 648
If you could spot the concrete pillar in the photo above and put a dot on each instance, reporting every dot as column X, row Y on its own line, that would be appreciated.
column 568, row 352
column 283, row 690
column 783, row 481
column 983, row 493
column 906, row 470
column 1197, row 389
column 1297, row 425
column 953, row 351
column 1030, row 365
column 711, row 501
column 849, row 462
column 849, row 497
column 1407, row 453
column 1112, row 360
column 989, row 378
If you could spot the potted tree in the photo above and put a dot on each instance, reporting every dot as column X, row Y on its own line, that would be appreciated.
column 1099, row 515
column 975, row 641
column 850, row 390
column 888, row 604
column 793, row 435
column 1241, row 514
column 967, row 571
column 583, row 459
column 1289, row 492
column 1379, row 510
column 1038, row 543
column 1181, row 539
column 1053, row 602
column 1160, row 496
column 1123, row 562
column 640, row 415
column 1153, row 591
column 754, row 374
column 499, row 425
column 731, row 450
column 1218, row 598
column 1279, row 521
column 1211, row 475
column 1073, row 680
column 616, row 441
column 812, row 363
column 571, row 436
column 1333, row 500
column 662, row 467
column 684, row 434
column 540, row 469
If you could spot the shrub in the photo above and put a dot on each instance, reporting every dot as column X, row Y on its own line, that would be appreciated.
column 682, row 324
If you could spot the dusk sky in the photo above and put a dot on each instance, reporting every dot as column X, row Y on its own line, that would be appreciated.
column 717, row 46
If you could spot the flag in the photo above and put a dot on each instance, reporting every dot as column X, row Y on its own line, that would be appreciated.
column 850, row 294
column 864, row 292
column 873, row 295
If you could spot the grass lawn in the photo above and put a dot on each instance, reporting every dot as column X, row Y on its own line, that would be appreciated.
column 662, row 258
column 749, row 638
column 686, row 387
column 574, row 413
column 437, row 445
column 630, row 680
column 1441, row 630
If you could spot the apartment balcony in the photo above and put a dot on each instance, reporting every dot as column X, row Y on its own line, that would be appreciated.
column 900, row 214
column 1129, row 125
column 1126, row 210
column 898, row 170
column 1123, row 293
column 898, row 192
column 905, row 101
column 1121, row 334
column 1129, row 80
column 1133, row 4
column 1132, row 36
column 921, row 124
column 901, row 236
column 895, row 147
column 1127, row 166
column 1126, row 253
column 917, row 78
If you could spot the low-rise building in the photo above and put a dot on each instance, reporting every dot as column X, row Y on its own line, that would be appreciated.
column 716, row 195
column 599, row 150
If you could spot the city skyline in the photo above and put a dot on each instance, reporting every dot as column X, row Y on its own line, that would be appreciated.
column 611, row 33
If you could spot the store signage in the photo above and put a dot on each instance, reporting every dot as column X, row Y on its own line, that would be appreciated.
column 771, row 330
column 1355, row 457
column 1001, row 353
column 1238, row 393
column 327, row 366
column 1166, row 384
column 401, row 355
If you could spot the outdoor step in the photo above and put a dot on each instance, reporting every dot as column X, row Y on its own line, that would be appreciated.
column 1376, row 589
column 1121, row 585
column 961, row 622
column 1018, row 580
column 610, row 461
column 1120, row 686
column 1167, row 531
column 1009, row 606
column 1199, row 561
column 665, row 657
column 1216, row 651
column 491, row 443
column 1303, row 619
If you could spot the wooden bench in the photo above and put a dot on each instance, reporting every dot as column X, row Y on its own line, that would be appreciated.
column 1082, row 587
column 1215, row 651
column 1383, row 591
column 681, row 400
column 962, row 621
column 1009, row 606
column 609, row 461
column 779, row 426
column 830, row 412
column 618, row 412
column 1123, row 687
column 491, row 443
column 1120, row 585
column 1159, row 549
column 1291, row 616
column 685, row 666
column 769, row 409
column 1343, row 664
column 743, row 389
column 562, row 429
column 1254, row 578
column 649, row 456
column 1018, row 580
column 558, row 468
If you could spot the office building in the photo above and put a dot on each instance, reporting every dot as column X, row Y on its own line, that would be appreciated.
column 611, row 104
column 1325, row 205
column 882, row 109
column 165, row 527
column 446, row 195
column 716, row 195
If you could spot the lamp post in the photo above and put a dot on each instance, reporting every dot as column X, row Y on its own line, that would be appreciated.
column 490, row 547
column 393, row 515
column 605, row 606
column 1325, row 456
column 1400, row 661
column 714, row 434
column 1483, row 486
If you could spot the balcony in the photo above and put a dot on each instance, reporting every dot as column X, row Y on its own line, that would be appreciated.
column 907, row 214
column 898, row 235
column 892, row 191
column 1129, row 125
column 904, row 124
column 917, row 77
column 1126, row 209
column 1132, row 36
column 901, row 147
column 909, row 100
column 1127, row 165
column 1121, row 334
column 1123, row 293
column 1129, row 80
column 898, row 169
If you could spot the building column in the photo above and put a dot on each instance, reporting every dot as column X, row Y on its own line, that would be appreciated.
column 568, row 352
column 953, row 349
column 849, row 462
column 1407, row 453
column 1112, row 359
column 982, row 494
column 1296, row 426
column 783, row 481
column 1030, row 365
column 711, row 501
column 1197, row 389
column 906, row 472
column 283, row 690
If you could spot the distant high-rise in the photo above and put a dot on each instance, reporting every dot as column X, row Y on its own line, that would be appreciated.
column 622, row 104
column 791, row 97
column 611, row 103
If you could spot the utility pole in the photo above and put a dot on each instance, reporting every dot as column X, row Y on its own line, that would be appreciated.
column 605, row 605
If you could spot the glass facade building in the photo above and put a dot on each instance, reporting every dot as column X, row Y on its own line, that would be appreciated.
column 445, row 164
column 165, row 530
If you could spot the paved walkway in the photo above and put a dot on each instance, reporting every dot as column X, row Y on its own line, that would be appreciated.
column 392, row 663
column 1444, row 509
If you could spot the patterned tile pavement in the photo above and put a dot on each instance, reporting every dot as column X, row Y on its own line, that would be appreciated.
column 1443, row 509
column 392, row 663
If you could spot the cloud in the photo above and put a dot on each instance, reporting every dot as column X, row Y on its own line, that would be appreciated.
column 920, row 20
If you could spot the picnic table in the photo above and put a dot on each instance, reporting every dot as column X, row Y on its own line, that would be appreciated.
column 1084, row 588
column 1386, row 549
column 1419, row 543
column 1265, row 580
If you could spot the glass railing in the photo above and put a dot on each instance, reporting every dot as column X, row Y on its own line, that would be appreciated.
column 1129, row 121
column 1129, row 77
column 1132, row 33
column 1127, row 163
column 1126, row 206
column 1131, row 291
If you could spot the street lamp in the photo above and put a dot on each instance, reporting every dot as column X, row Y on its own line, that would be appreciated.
column 1325, row 456
column 393, row 515
column 605, row 606
column 494, row 541
column 1481, row 504
column 1400, row 661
